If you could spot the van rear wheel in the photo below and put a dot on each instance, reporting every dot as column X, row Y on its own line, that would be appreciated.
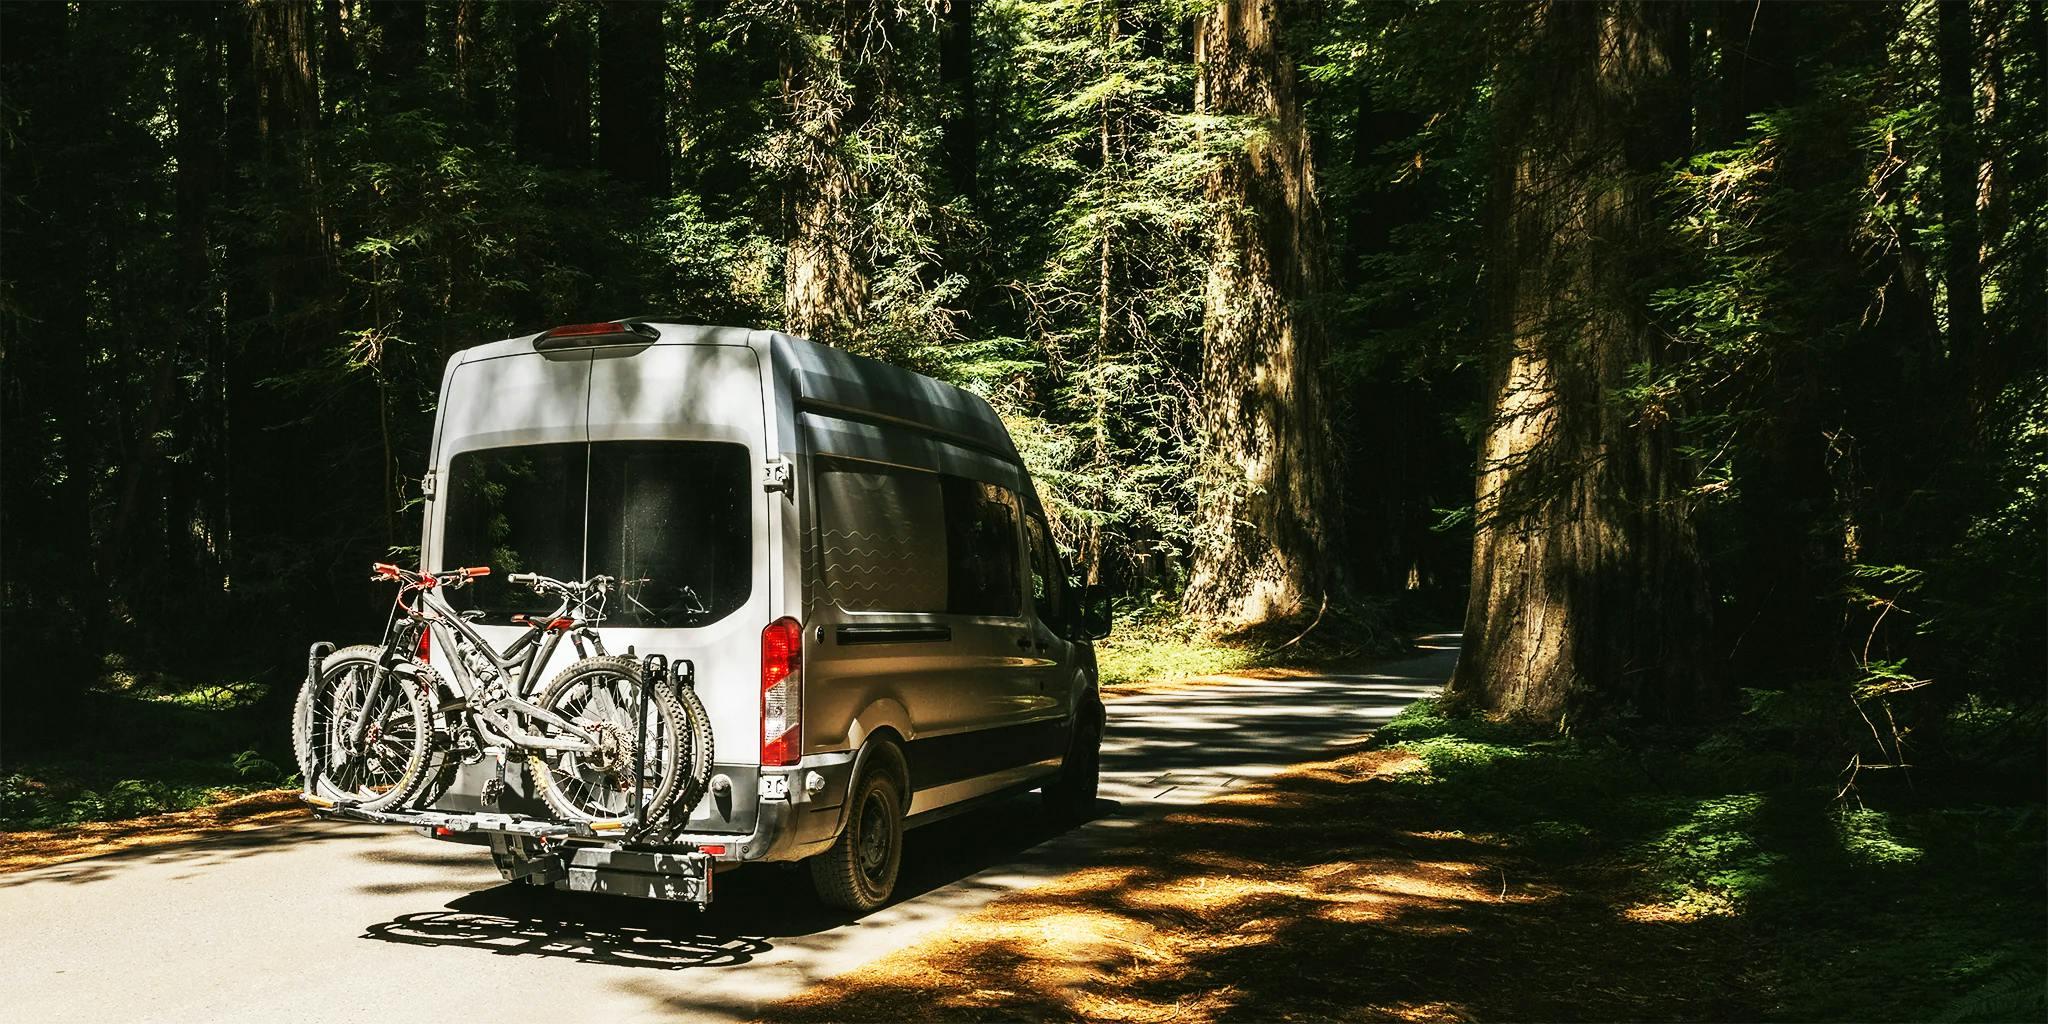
column 859, row 872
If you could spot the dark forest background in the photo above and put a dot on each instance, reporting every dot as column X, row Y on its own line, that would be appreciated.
column 1693, row 354
column 1734, row 313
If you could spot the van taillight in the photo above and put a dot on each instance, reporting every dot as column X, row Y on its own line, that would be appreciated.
column 426, row 641
column 782, row 692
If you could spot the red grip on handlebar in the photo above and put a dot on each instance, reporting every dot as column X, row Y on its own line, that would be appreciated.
column 475, row 570
column 384, row 568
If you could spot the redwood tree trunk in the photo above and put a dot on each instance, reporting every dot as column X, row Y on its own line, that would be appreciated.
column 632, row 92
column 961, row 124
column 1587, row 597
column 1962, row 270
column 551, row 84
column 1262, row 550
column 825, row 274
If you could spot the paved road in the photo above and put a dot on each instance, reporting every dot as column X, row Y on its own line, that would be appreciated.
column 332, row 922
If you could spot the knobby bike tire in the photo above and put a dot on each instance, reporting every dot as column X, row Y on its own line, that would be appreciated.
column 406, row 740
column 668, row 716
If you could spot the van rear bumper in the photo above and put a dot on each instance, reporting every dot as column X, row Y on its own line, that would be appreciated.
column 796, row 818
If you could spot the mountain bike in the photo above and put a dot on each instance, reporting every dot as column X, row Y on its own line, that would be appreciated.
column 605, row 745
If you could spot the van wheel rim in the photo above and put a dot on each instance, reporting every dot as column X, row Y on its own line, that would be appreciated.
column 874, row 837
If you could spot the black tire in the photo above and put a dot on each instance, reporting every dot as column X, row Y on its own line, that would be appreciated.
column 387, row 771
column 1071, row 795
column 605, row 692
column 859, row 872
column 697, row 774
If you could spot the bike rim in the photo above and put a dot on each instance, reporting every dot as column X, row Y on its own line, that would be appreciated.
column 382, row 760
column 601, row 785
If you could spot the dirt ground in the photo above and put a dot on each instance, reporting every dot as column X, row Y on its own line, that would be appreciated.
column 33, row 848
column 1317, row 896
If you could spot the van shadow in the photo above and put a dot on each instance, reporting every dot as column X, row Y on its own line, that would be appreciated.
column 755, row 907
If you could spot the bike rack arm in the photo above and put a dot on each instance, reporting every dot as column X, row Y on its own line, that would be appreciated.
column 314, row 656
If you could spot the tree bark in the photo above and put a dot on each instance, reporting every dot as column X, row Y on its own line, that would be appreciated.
column 1262, row 549
column 400, row 52
column 825, row 273
column 551, row 85
column 467, row 44
column 1962, row 271
column 632, row 132
column 1587, row 597
column 960, row 124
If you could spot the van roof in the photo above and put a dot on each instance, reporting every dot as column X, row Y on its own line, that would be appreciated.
column 833, row 382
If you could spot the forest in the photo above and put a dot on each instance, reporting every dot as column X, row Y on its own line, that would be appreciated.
column 1693, row 356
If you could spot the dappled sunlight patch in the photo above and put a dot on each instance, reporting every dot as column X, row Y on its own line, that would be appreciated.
column 1428, row 1012
column 1213, row 893
column 1671, row 913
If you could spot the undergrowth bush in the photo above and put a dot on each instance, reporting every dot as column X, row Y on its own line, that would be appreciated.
column 1856, row 911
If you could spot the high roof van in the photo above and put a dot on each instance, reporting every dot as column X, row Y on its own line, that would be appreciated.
column 850, row 556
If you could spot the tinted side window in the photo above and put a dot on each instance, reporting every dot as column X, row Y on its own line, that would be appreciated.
column 982, row 560
column 882, row 538
column 1048, row 582
column 515, row 510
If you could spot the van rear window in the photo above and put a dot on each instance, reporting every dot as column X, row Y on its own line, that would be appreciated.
column 668, row 517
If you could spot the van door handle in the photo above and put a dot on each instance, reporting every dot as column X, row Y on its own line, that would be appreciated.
column 1024, row 642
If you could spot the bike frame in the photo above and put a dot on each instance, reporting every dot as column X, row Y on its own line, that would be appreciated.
column 500, row 719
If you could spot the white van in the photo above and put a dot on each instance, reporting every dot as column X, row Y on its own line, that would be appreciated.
column 850, row 556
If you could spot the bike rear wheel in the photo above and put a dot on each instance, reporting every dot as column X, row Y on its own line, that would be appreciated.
column 361, row 734
column 603, row 695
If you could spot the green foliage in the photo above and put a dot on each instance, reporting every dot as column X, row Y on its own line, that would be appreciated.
column 1935, row 895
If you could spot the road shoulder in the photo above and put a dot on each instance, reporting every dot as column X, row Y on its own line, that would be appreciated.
column 36, row 848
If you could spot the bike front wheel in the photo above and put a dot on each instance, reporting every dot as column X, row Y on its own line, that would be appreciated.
column 664, row 758
column 361, row 732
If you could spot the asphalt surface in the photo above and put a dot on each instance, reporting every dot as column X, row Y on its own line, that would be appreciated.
column 334, row 922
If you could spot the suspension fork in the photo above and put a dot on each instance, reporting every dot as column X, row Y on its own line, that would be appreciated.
column 387, row 667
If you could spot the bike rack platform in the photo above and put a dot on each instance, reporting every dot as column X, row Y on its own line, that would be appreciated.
column 470, row 821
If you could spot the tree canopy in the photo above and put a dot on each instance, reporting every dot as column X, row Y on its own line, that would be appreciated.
column 1702, row 345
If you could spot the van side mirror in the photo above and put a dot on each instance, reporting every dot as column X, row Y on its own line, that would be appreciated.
column 1092, row 610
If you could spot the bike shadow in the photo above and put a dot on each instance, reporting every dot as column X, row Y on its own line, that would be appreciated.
column 754, row 908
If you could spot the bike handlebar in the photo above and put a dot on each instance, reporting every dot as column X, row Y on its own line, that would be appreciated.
column 542, row 584
column 450, row 578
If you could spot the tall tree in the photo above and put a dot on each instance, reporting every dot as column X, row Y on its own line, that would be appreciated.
column 961, row 122
column 1962, row 271
column 1263, row 547
column 466, row 45
column 826, row 271
column 551, row 84
column 632, row 90
column 1586, row 593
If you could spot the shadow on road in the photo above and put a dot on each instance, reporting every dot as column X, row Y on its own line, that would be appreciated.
column 756, row 905
column 517, row 920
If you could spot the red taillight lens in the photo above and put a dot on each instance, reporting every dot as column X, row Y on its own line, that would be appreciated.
column 782, row 692
column 714, row 850
column 426, row 641
column 571, row 335
column 583, row 330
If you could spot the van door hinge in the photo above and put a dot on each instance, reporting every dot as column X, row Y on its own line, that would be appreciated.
column 775, row 474
column 427, row 485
